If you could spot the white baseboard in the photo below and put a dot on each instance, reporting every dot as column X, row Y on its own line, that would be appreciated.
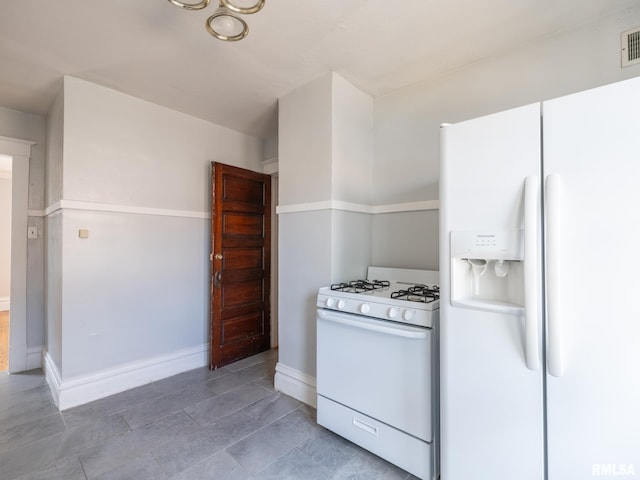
column 296, row 384
column 68, row 393
column 34, row 357
column 52, row 375
column 5, row 303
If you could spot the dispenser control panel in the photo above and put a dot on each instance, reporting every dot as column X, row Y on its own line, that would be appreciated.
column 485, row 240
column 496, row 245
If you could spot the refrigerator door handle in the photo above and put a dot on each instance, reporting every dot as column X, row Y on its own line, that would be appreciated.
column 554, row 313
column 531, row 322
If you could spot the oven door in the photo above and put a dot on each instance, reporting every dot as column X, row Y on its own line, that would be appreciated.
column 379, row 368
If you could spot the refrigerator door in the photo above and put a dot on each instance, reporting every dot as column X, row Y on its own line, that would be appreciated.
column 491, row 402
column 592, row 164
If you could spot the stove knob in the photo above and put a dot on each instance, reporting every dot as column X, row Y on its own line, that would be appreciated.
column 392, row 312
column 407, row 315
column 329, row 302
column 341, row 304
column 364, row 308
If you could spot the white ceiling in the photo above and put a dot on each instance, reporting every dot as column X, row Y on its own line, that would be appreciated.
column 156, row 51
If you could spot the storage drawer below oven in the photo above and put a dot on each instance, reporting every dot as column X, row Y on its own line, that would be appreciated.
column 407, row 452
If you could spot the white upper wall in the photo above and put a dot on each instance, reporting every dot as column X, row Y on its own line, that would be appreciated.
column 326, row 134
column 406, row 122
column 55, row 150
column 121, row 150
column 305, row 143
column 352, row 126
column 25, row 126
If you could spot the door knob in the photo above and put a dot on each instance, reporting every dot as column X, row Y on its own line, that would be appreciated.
column 218, row 256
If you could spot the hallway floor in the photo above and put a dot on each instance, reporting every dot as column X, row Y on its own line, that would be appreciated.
column 227, row 424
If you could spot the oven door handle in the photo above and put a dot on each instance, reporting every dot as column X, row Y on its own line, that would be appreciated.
column 379, row 326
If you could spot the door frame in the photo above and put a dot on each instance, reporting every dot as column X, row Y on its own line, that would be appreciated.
column 20, row 151
column 274, row 258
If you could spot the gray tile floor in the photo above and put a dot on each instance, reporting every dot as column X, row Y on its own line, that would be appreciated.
column 227, row 424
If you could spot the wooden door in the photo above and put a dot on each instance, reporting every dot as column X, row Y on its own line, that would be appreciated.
column 240, row 263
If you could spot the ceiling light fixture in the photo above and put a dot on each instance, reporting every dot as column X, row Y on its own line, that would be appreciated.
column 226, row 23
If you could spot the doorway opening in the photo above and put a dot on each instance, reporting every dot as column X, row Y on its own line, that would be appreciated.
column 5, row 257
column 20, row 153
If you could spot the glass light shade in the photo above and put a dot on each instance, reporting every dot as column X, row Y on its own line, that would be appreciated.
column 224, row 25
column 243, row 6
column 191, row 6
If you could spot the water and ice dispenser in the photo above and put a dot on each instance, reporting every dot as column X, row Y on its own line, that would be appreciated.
column 487, row 270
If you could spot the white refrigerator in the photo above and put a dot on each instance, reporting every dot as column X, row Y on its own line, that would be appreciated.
column 540, row 290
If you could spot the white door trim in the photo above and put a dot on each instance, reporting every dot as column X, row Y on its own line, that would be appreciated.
column 20, row 150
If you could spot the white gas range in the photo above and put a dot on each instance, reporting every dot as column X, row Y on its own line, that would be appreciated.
column 405, row 301
column 377, row 364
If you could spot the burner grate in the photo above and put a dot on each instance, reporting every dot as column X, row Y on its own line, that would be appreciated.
column 360, row 286
column 418, row 293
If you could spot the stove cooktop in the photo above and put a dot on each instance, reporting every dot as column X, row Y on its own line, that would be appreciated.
column 412, row 292
column 398, row 302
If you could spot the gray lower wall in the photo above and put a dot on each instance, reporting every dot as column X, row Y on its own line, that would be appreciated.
column 316, row 248
column 406, row 240
column 304, row 265
column 53, row 276
column 136, row 288
column 351, row 245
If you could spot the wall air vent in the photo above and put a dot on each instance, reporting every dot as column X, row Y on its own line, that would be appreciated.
column 630, row 47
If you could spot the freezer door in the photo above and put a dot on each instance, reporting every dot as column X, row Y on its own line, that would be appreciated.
column 592, row 164
column 491, row 401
